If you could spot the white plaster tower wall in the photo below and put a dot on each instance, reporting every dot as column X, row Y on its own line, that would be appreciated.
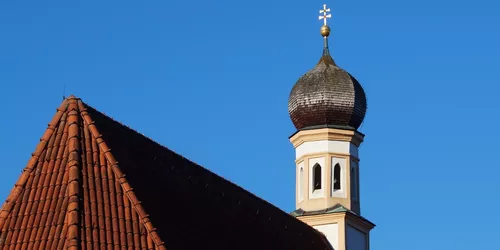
column 326, row 146
column 323, row 165
column 331, row 231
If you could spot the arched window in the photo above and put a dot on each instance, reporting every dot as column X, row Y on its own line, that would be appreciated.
column 316, row 177
column 301, row 184
column 336, row 177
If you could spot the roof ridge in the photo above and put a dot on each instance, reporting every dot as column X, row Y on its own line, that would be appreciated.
column 73, row 167
column 21, row 182
column 128, row 190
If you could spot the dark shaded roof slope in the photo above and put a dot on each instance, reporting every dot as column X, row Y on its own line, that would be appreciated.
column 93, row 183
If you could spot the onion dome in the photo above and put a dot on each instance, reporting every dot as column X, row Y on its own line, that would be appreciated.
column 327, row 96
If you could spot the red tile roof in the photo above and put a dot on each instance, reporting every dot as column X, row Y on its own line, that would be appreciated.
column 74, row 194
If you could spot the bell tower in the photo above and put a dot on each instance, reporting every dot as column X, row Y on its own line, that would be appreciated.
column 327, row 106
column 327, row 168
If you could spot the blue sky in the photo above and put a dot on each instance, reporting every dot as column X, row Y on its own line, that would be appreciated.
column 211, row 79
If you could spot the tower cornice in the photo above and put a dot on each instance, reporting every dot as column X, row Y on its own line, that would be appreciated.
column 329, row 134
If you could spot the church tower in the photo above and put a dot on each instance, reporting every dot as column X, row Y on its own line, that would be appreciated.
column 327, row 106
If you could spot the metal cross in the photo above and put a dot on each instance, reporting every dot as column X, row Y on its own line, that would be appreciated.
column 325, row 15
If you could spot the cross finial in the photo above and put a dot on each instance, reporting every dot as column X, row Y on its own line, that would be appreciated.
column 325, row 15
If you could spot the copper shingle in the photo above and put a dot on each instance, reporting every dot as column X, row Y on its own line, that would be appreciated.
column 74, row 194
column 327, row 96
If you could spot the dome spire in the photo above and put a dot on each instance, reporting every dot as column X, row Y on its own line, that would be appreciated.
column 325, row 30
column 327, row 96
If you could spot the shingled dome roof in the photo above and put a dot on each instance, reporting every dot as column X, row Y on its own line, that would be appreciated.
column 327, row 96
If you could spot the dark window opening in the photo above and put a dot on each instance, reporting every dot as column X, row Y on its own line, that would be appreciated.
column 316, row 177
column 336, row 177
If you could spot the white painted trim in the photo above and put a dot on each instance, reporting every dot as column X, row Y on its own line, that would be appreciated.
column 319, row 193
column 300, row 182
column 342, row 192
column 312, row 147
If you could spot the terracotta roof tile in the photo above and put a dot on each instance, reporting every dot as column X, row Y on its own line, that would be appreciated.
column 68, row 193
column 74, row 194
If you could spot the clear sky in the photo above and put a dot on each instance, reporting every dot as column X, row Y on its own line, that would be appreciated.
column 211, row 79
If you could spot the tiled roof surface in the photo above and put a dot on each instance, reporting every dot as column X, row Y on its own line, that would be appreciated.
column 72, row 192
column 93, row 183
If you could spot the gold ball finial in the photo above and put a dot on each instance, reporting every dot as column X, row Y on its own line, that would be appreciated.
column 325, row 31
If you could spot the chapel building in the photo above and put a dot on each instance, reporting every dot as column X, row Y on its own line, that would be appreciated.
column 94, row 183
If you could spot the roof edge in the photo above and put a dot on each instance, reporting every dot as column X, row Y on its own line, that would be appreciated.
column 21, row 182
column 95, row 132
column 128, row 191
